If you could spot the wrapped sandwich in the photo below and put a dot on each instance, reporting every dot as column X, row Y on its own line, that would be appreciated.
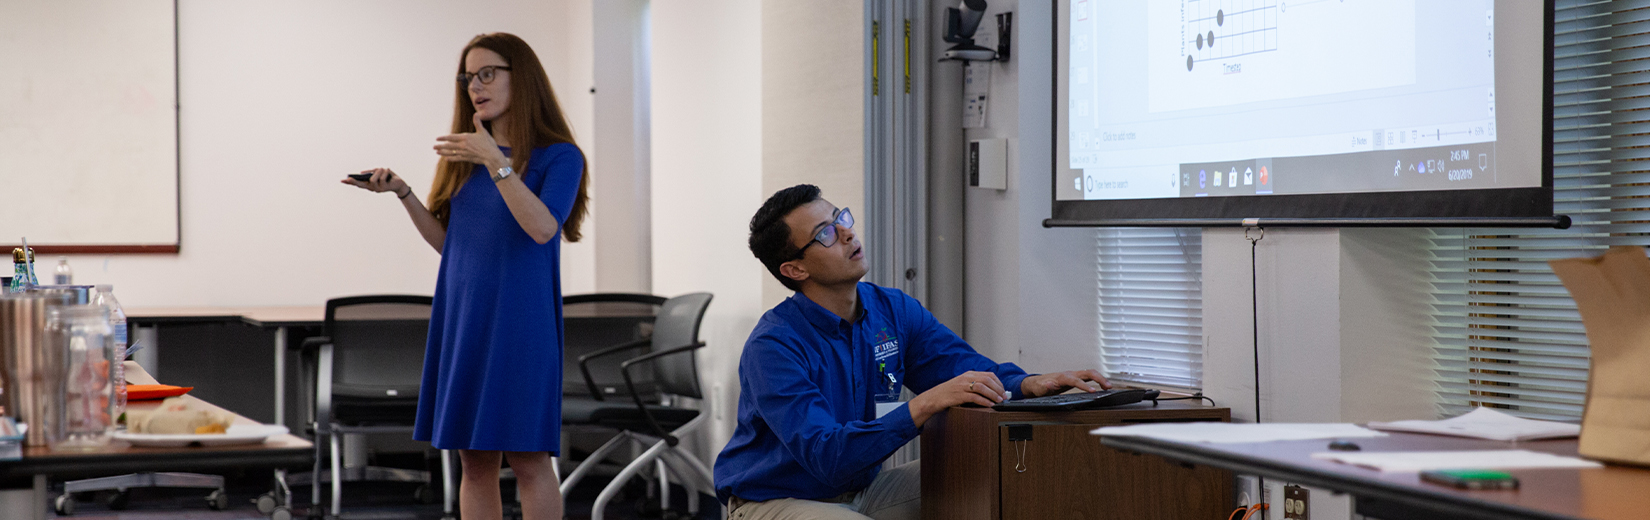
column 179, row 415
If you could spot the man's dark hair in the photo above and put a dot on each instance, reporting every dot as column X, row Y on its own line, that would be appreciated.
column 771, row 238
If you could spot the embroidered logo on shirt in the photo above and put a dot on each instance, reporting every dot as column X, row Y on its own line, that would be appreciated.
column 887, row 345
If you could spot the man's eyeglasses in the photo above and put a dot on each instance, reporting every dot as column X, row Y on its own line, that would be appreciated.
column 827, row 237
column 486, row 75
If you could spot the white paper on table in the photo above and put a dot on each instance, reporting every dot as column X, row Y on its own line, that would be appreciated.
column 1485, row 423
column 1220, row 432
column 1475, row 459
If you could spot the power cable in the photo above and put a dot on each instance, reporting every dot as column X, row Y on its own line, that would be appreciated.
column 1254, row 315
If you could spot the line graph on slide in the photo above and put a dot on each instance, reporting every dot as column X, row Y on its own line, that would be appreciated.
column 1211, row 53
column 1226, row 29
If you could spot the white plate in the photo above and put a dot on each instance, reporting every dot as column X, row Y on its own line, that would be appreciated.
column 236, row 434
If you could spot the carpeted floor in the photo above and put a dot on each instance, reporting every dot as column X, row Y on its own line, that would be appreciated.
column 363, row 501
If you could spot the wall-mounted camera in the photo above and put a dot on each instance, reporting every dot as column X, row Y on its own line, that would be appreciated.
column 960, row 24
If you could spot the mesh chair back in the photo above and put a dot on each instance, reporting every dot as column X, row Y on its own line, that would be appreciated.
column 678, row 326
column 592, row 322
column 378, row 345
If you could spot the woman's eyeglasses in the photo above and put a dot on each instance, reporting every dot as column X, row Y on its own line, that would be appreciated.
column 827, row 237
column 486, row 75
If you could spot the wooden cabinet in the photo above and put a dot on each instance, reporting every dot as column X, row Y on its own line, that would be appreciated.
column 981, row 464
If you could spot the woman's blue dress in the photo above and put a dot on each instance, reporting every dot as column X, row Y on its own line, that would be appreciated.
column 493, row 362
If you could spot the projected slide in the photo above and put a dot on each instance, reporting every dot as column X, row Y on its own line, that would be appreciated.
column 1209, row 53
column 1210, row 98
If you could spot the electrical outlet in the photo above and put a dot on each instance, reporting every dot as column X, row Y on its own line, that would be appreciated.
column 1294, row 503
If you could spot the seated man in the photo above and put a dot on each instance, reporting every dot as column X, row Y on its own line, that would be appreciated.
column 810, row 441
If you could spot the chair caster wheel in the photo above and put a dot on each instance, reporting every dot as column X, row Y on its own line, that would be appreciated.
column 425, row 494
column 267, row 503
column 280, row 513
column 64, row 504
column 119, row 499
column 218, row 500
column 648, row 507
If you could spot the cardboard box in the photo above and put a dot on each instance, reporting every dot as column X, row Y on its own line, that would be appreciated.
column 1613, row 294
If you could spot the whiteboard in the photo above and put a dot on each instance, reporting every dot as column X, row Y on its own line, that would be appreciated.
column 88, row 124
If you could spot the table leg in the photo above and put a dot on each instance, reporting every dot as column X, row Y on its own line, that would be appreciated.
column 28, row 503
column 280, row 376
column 40, row 495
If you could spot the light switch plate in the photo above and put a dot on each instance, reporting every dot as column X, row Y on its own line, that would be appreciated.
column 988, row 163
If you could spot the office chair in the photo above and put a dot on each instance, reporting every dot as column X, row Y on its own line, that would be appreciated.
column 366, row 370
column 605, row 321
column 651, row 417
column 593, row 323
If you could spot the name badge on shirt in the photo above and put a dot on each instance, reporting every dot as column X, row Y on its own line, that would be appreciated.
column 884, row 408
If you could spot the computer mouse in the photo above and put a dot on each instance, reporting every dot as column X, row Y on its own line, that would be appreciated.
column 1340, row 445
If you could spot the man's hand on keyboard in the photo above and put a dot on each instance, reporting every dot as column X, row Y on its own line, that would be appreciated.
column 1057, row 382
column 981, row 388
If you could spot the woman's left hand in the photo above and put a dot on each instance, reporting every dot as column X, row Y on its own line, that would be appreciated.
column 475, row 147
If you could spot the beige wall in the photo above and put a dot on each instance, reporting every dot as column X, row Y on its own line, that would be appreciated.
column 620, row 162
column 813, row 108
column 707, row 179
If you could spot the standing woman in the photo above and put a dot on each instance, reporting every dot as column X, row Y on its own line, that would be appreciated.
column 510, row 182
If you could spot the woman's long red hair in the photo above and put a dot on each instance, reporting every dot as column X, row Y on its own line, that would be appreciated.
column 535, row 120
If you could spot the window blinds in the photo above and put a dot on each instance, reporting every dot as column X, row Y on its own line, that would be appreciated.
column 1151, row 306
column 1508, row 335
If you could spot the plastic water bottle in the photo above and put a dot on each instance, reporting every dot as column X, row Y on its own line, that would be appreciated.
column 117, row 327
column 65, row 274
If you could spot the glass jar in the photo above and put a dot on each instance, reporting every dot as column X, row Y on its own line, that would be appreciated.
column 80, row 366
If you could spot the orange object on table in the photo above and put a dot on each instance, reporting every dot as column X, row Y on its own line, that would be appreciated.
column 145, row 392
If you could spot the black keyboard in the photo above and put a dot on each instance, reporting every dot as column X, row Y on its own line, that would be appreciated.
column 1101, row 399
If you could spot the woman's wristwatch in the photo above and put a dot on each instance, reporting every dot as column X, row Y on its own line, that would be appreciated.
column 503, row 173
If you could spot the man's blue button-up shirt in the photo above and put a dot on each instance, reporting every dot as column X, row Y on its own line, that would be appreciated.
column 809, row 382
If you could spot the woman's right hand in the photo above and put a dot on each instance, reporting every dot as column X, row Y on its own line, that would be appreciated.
column 382, row 180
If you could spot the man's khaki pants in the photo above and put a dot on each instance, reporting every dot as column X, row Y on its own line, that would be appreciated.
column 895, row 494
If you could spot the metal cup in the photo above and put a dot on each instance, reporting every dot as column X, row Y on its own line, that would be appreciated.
column 24, row 360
